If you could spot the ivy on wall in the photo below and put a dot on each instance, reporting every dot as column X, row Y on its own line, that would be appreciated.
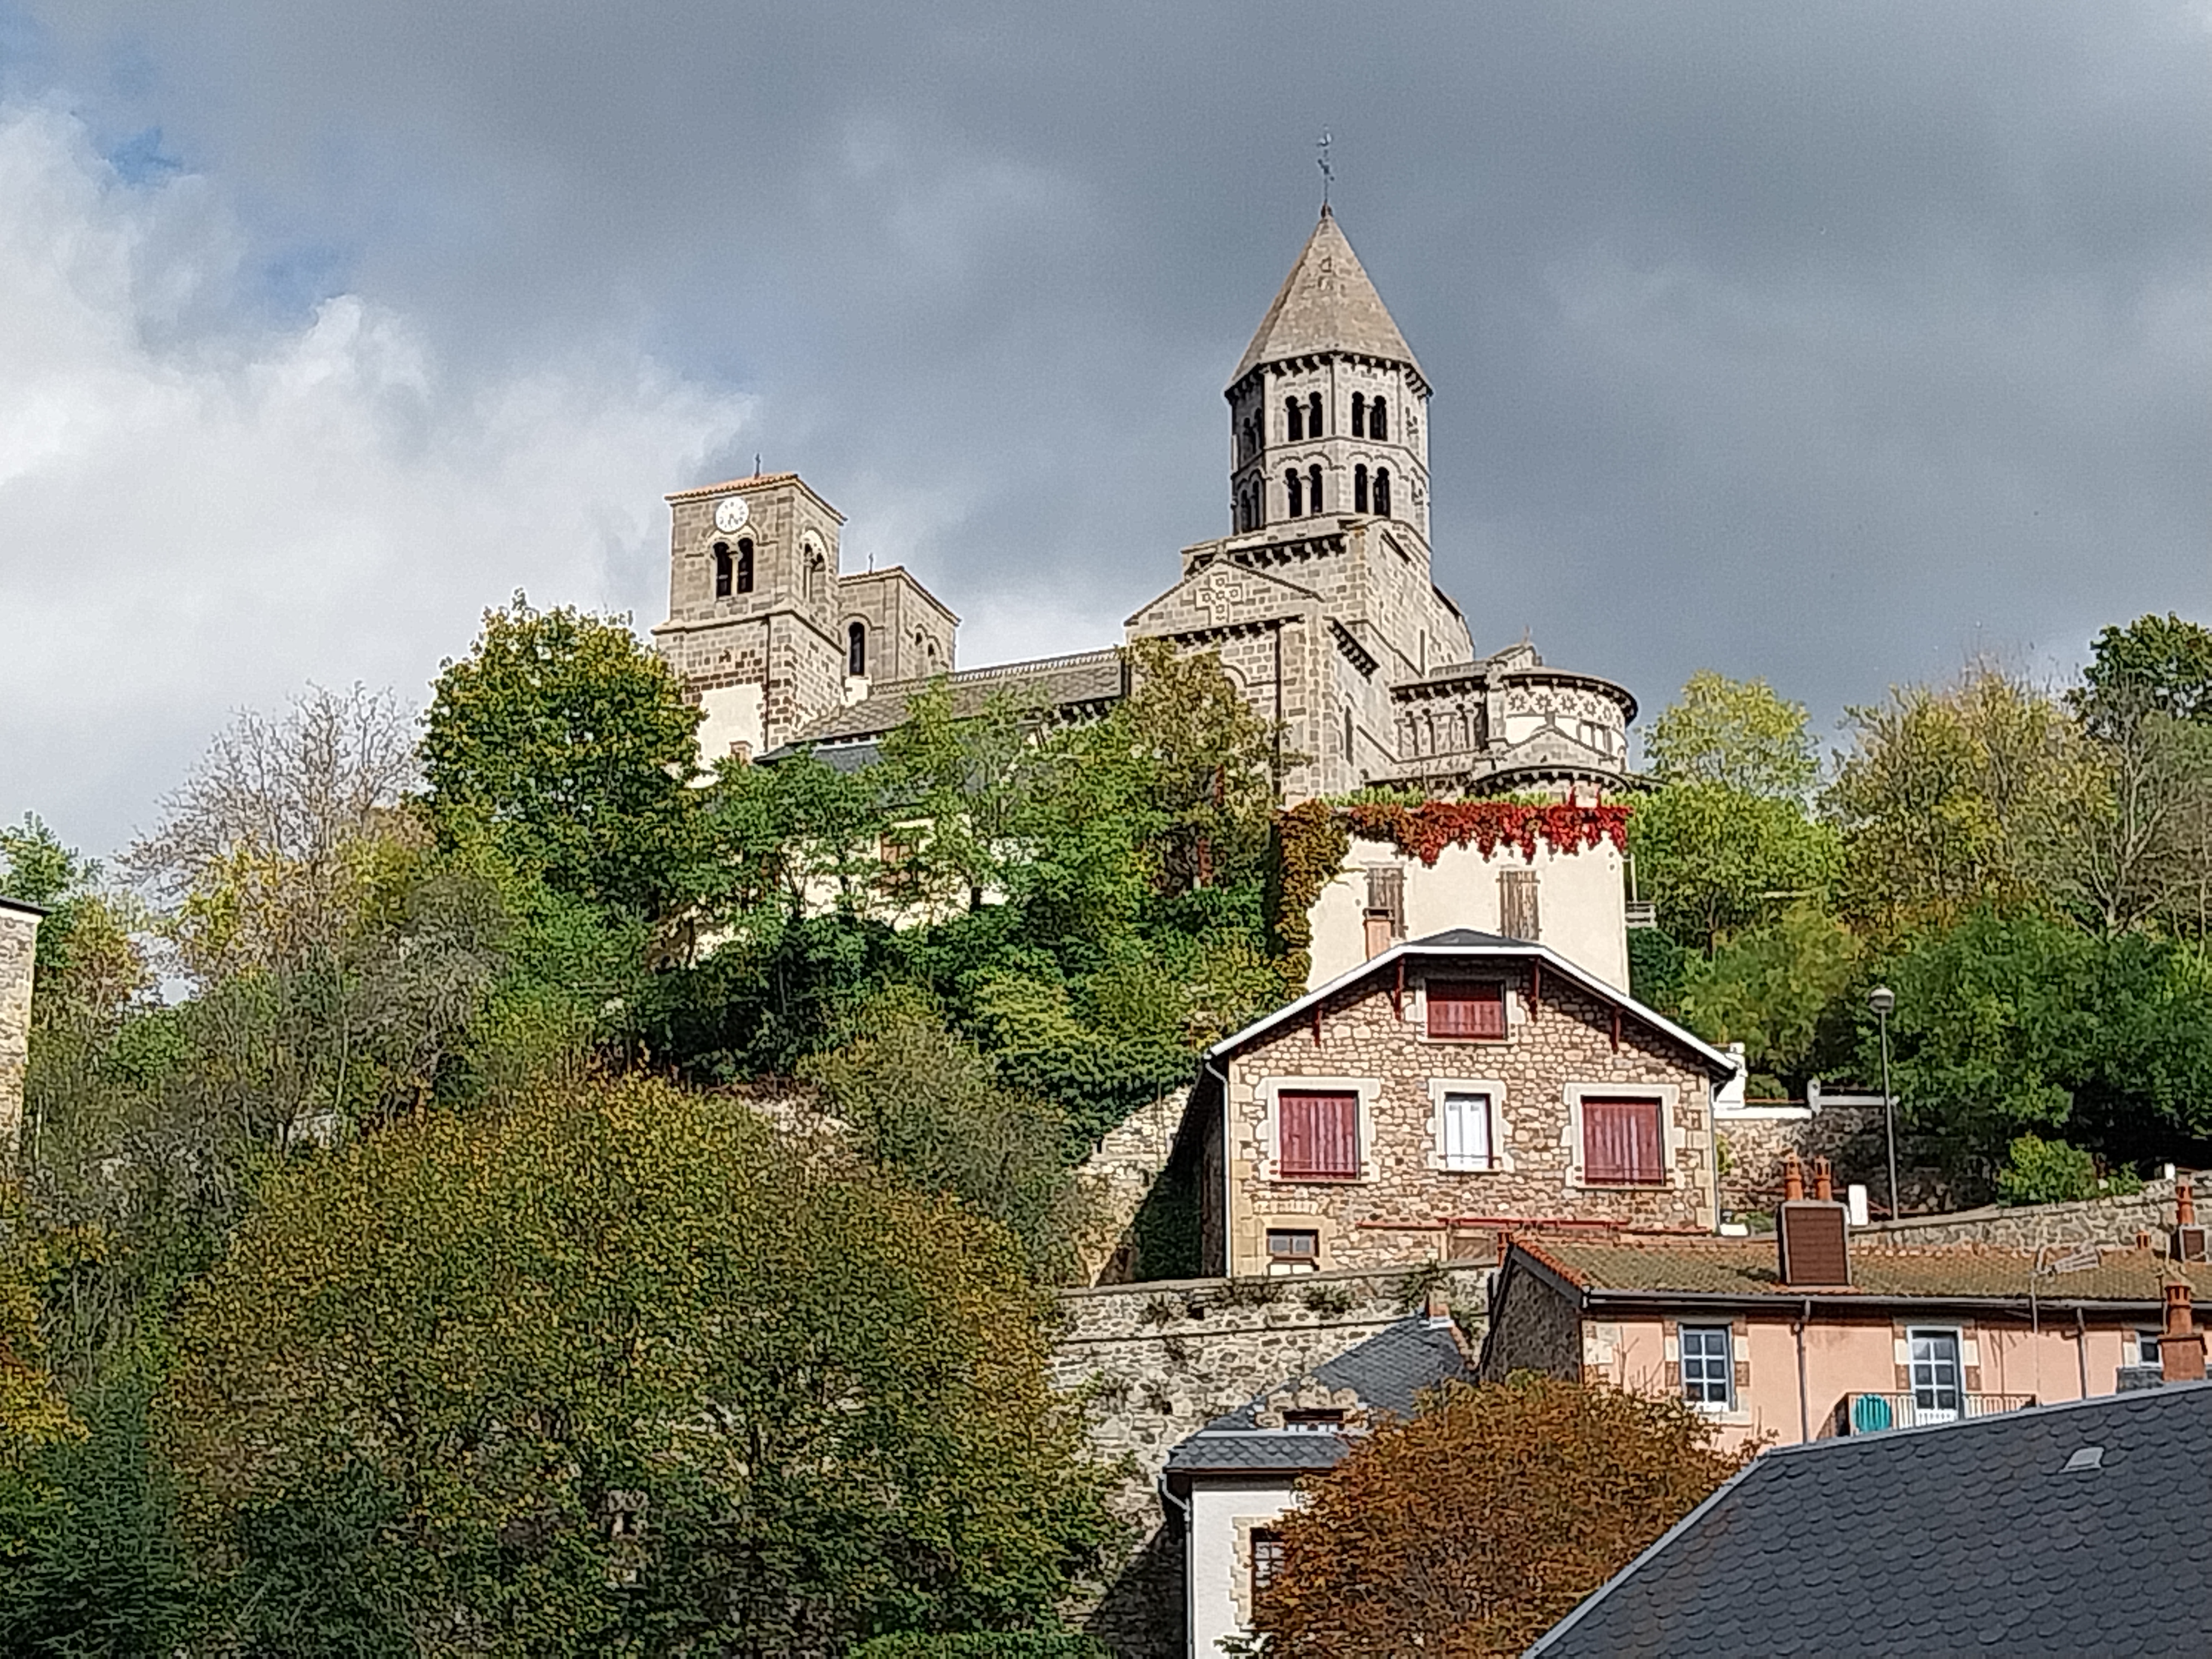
column 1311, row 839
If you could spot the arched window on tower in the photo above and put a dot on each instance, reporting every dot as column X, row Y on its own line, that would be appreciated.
column 1358, row 414
column 722, row 570
column 1313, row 488
column 856, row 649
column 1359, row 488
column 1347, row 730
column 814, row 577
column 1294, row 493
column 745, row 564
column 1313, row 427
column 1378, row 419
column 1294, row 420
column 1381, row 492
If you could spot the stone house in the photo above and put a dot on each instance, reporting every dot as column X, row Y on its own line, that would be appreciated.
column 1230, row 1483
column 1321, row 600
column 1450, row 1088
column 1832, row 1338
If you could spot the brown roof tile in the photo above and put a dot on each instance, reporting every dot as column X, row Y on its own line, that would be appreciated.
column 1729, row 1266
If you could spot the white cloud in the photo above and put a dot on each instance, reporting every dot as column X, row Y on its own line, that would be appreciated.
column 201, row 509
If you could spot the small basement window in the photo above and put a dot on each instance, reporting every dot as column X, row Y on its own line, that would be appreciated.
column 1466, row 1008
column 1294, row 1246
column 1314, row 1421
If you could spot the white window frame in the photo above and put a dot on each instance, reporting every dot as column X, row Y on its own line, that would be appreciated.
column 1269, row 1090
column 1501, row 1154
column 1712, row 1408
column 1672, row 1138
column 1936, row 1414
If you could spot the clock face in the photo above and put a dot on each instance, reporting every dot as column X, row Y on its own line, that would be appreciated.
column 730, row 514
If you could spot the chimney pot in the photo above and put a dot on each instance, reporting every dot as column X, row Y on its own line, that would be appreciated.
column 1824, row 1184
column 2185, row 1204
column 1378, row 932
column 1793, row 1178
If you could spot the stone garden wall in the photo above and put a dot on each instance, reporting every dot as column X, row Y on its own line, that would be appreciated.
column 1154, row 1363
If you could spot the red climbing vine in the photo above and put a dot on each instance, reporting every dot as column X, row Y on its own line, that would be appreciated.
column 1424, row 832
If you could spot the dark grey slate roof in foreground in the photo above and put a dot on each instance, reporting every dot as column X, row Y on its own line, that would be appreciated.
column 1389, row 1372
column 2076, row 1528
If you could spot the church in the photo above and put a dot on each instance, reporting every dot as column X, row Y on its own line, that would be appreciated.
column 1320, row 602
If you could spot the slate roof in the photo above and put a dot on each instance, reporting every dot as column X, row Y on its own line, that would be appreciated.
column 1973, row 1537
column 1389, row 1372
column 1326, row 304
column 1059, row 683
column 1621, row 1269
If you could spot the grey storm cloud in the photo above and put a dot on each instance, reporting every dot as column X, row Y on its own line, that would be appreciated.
column 1829, row 343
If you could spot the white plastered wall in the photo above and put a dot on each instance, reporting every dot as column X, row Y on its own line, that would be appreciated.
column 1581, row 904
column 1218, row 1563
column 732, row 715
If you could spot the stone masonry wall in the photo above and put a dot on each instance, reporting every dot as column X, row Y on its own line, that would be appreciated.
column 1113, row 1181
column 1849, row 1137
column 18, row 938
column 1396, row 1211
column 1154, row 1363
column 2031, row 1226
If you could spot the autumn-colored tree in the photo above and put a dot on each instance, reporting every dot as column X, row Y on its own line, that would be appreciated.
column 1736, row 732
column 617, row 1368
column 1469, row 1530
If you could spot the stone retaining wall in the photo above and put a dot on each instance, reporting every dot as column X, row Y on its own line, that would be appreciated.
column 1113, row 1181
column 1154, row 1363
column 2030, row 1226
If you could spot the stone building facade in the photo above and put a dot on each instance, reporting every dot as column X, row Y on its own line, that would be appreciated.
column 1320, row 601
column 1449, row 1089
column 19, row 944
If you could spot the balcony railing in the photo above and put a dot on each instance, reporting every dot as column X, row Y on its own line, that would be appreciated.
column 1871, row 1413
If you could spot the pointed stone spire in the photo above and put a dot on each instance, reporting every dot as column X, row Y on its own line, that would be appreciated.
column 1327, row 304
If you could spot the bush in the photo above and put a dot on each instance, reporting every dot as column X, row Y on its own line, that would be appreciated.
column 2039, row 1172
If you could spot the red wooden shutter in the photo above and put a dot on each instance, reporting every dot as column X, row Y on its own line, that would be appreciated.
column 1318, row 1134
column 1466, row 1008
column 1621, row 1143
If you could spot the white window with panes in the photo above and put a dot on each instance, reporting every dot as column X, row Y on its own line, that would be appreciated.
column 1937, row 1377
column 1707, row 1359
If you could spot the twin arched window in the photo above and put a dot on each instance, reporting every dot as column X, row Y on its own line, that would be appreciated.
column 856, row 649
column 1378, row 498
column 1251, row 507
column 734, row 572
column 1370, row 417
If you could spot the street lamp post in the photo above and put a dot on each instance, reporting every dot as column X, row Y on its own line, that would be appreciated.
column 1881, row 999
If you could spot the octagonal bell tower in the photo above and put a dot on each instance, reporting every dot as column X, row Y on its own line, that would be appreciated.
column 1328, row 408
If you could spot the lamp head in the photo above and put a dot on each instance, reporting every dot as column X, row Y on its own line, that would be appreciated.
column 1881, row 999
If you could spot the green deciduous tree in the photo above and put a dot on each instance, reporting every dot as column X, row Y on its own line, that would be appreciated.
column 1772, row 988
column 618, row 1369
column 1941, row 794
column 570, row 746
column 1737, row 734
column 2155, row 665
column 1714, row 860
column 1468, row 1531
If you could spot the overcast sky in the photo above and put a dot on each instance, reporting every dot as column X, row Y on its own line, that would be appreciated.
column 1829, row 343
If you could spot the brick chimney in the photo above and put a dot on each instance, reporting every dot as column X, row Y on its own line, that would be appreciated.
column 1823, row 1183
column 2192, row 1241
column 1377, row 924
column 1811, row 1235
column 2181, row 1344
column 1793, row 1178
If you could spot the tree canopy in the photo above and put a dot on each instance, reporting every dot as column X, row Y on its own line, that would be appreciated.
column 1471, row 1528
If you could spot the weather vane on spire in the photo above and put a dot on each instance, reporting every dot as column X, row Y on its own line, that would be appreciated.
column 1327, row 173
